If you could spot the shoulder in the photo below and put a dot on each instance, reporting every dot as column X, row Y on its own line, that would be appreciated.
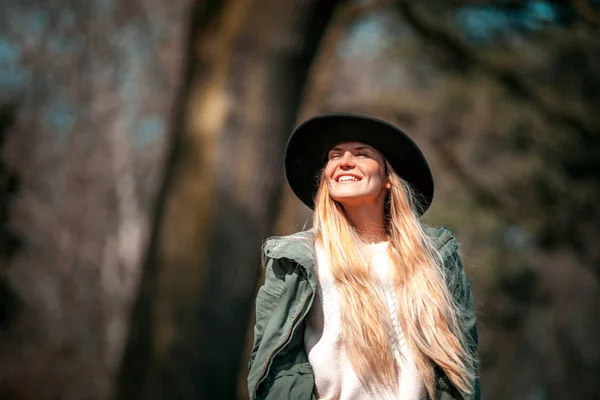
column 443, row 240
column 447, row 244
column 298, row 247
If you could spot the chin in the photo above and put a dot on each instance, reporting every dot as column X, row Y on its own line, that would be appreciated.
column 344, row 196
column 349, row 199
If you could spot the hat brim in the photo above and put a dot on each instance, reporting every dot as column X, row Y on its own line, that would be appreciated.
column 307, row 147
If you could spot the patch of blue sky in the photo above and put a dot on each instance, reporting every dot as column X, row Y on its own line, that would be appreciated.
column 36, row 22
column 61, row 45
column 536, row 15
column 149, row 129
column 13, row 76
column 481, row 23
column 60, row 118
column 10, row 52
column 13, row 79
column 542, row 10
column 366, row 36
column 485, row 22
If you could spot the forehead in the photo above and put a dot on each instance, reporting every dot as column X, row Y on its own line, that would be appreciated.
column 351, row 146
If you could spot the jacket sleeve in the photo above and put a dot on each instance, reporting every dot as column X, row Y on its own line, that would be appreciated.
column 461, row 290
column 266, row 299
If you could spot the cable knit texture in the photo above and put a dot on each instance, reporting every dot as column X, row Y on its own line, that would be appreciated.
column 334, row 376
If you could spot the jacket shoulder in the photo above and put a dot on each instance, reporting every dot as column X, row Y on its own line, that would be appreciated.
column 447, row 245
column 443, row 240
column 298, row 247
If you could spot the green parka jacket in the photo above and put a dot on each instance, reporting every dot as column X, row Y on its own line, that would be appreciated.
column 279, row 367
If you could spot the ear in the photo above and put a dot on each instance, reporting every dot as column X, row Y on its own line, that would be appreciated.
column 388, row 185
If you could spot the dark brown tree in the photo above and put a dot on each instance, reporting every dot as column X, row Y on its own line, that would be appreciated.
column 248, row 65
column 90, row 87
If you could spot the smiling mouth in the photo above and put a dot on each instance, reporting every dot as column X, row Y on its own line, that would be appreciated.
column 347, row 178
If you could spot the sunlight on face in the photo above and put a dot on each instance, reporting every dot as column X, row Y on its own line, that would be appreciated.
column 355, row 174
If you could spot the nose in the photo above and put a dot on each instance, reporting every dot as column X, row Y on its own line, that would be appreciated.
column 347, row 161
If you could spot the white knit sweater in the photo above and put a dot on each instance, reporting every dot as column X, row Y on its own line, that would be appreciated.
column 334, row 376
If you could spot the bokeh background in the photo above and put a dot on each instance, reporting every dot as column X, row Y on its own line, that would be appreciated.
column 141, row 169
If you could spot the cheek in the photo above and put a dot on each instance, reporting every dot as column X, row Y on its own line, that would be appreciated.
column 375, row 173
column 328, row 171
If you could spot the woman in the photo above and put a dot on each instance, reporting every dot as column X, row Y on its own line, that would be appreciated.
column 369, row 303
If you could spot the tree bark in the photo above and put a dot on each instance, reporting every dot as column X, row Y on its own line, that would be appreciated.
column 81, row 166
column 249, row 65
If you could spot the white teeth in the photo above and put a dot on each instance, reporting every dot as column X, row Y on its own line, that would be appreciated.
column 347, row 178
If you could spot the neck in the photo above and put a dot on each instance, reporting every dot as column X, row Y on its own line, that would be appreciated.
column 368, row 222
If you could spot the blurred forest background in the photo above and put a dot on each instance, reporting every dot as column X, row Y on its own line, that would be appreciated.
column 141, row 169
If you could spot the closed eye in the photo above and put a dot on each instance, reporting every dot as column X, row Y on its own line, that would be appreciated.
column 358, row 152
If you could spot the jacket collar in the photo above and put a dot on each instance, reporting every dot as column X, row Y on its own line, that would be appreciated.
column 299, row 247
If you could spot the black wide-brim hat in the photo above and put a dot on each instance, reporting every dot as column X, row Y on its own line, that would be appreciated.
column 308, row 146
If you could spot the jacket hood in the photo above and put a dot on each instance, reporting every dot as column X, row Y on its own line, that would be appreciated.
column 299, row 246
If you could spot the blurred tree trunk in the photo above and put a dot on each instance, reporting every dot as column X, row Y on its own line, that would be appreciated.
column 83, row 156
column 249, row 64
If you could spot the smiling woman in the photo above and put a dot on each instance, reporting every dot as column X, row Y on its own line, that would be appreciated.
column 369, row 304
column 356, row 177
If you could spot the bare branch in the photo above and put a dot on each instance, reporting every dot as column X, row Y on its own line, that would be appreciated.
column 587, row 12
column 509, row 79
column 351, row 12
column 483, row 194
column 490, row 200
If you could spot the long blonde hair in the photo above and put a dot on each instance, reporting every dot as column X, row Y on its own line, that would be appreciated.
column 427, row 313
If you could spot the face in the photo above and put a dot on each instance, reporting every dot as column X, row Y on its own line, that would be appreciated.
column 355, row 174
